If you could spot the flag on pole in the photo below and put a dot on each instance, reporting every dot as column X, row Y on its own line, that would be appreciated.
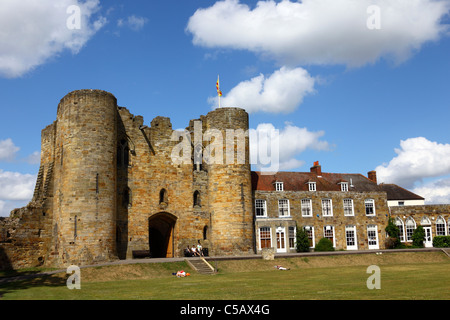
column 218, row 87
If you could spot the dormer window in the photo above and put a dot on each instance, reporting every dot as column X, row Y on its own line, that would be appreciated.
column 279, row 186
column 344, row 186
column 312, row 186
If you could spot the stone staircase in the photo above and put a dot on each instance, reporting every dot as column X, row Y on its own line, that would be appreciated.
column 48, row 180
column 37, row 188
column 200, row 265
column 41, row 190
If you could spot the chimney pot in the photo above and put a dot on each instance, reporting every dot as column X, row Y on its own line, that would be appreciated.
column 317, row 169
column 372, row 175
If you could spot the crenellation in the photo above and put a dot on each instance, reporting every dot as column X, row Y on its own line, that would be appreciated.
column 109, row 185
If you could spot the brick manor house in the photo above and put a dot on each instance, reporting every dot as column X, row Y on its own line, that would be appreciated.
column 108, row 188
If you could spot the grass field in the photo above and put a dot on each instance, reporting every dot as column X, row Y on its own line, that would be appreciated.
column 404, row 276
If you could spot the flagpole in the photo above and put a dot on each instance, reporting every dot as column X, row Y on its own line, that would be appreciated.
column 218, row 89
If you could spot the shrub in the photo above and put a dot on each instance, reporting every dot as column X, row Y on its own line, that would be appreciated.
column 393, row 232
column 302, row 240
column 324, row 245
column 418, row 237
column 441, row 242
column 391, row 229
column 391, row 243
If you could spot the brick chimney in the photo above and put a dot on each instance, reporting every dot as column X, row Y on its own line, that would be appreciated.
column 372, row 175
column 317, row 169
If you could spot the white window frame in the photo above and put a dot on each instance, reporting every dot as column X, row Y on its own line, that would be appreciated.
column 344, row 186
column 292, row 234
column 351, row 228
column 283, row 204
column 306, row 207
column 263, row 207
column 441, row 221
column 371, row 203
column 401, row 229
column 279, row 186
column 310, row 231
column 372, row 238
column 325, row 211
column 326, row 230
column 312, row 186
column 281, row 239
column 348, row 204
column 259, row 236
column 409, row 228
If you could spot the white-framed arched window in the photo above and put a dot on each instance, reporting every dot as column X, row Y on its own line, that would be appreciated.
column 401, row 229
column 410, row 227
column 441, row 229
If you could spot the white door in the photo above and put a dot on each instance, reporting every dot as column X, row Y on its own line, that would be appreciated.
column 281, row 239
column 428, row 242
column 350, row 238
column 372, row 237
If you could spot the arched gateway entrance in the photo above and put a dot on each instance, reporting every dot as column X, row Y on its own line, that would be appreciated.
column 161, row 228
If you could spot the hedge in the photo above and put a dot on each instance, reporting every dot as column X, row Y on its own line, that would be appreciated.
column 441, row 242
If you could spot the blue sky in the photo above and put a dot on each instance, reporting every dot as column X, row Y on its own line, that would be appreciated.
column 353, row 88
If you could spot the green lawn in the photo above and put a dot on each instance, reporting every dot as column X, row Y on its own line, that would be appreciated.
column 408, row 276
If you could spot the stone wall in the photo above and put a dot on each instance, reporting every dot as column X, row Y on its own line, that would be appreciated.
column 318, row 221
column 424, row 215
column 229, row 182
column 108, row 186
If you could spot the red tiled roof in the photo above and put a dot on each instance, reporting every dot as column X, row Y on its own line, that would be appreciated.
column 298, row 181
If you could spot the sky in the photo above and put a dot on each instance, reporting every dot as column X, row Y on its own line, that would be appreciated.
column 357, row 85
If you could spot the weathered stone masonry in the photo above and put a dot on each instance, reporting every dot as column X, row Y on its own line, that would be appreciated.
column 108, row 188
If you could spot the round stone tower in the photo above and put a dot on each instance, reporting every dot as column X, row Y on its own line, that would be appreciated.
column 85, row 178
column 229, row 181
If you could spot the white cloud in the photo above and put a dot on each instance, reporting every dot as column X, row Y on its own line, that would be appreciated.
column 34, row 158
column 417, row 159
column 7, row 206
column 16, row 186
column 320, row 31
column 16, row 190
column 133, row 22
column 435, row 192
column 283, row 147
column 34, row 31
column 281, row 92
column 8, row 150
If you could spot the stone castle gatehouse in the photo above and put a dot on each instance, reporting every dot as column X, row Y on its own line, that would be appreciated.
column 109, row 188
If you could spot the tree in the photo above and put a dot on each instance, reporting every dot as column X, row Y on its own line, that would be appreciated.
column 393, row 232
column 418, row 237
column 302, row 240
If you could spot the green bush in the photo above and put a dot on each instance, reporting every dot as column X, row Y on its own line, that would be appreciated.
column 418, row 237
column 302, row 240
column 441, row 242
column 324, row 245
column 392, row 230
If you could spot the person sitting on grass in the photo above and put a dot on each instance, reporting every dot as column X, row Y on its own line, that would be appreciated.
column 281, row 268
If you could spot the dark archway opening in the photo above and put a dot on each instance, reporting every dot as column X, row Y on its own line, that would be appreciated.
column 161, row 228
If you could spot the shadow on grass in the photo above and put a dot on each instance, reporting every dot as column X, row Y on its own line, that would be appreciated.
column 30, row 280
